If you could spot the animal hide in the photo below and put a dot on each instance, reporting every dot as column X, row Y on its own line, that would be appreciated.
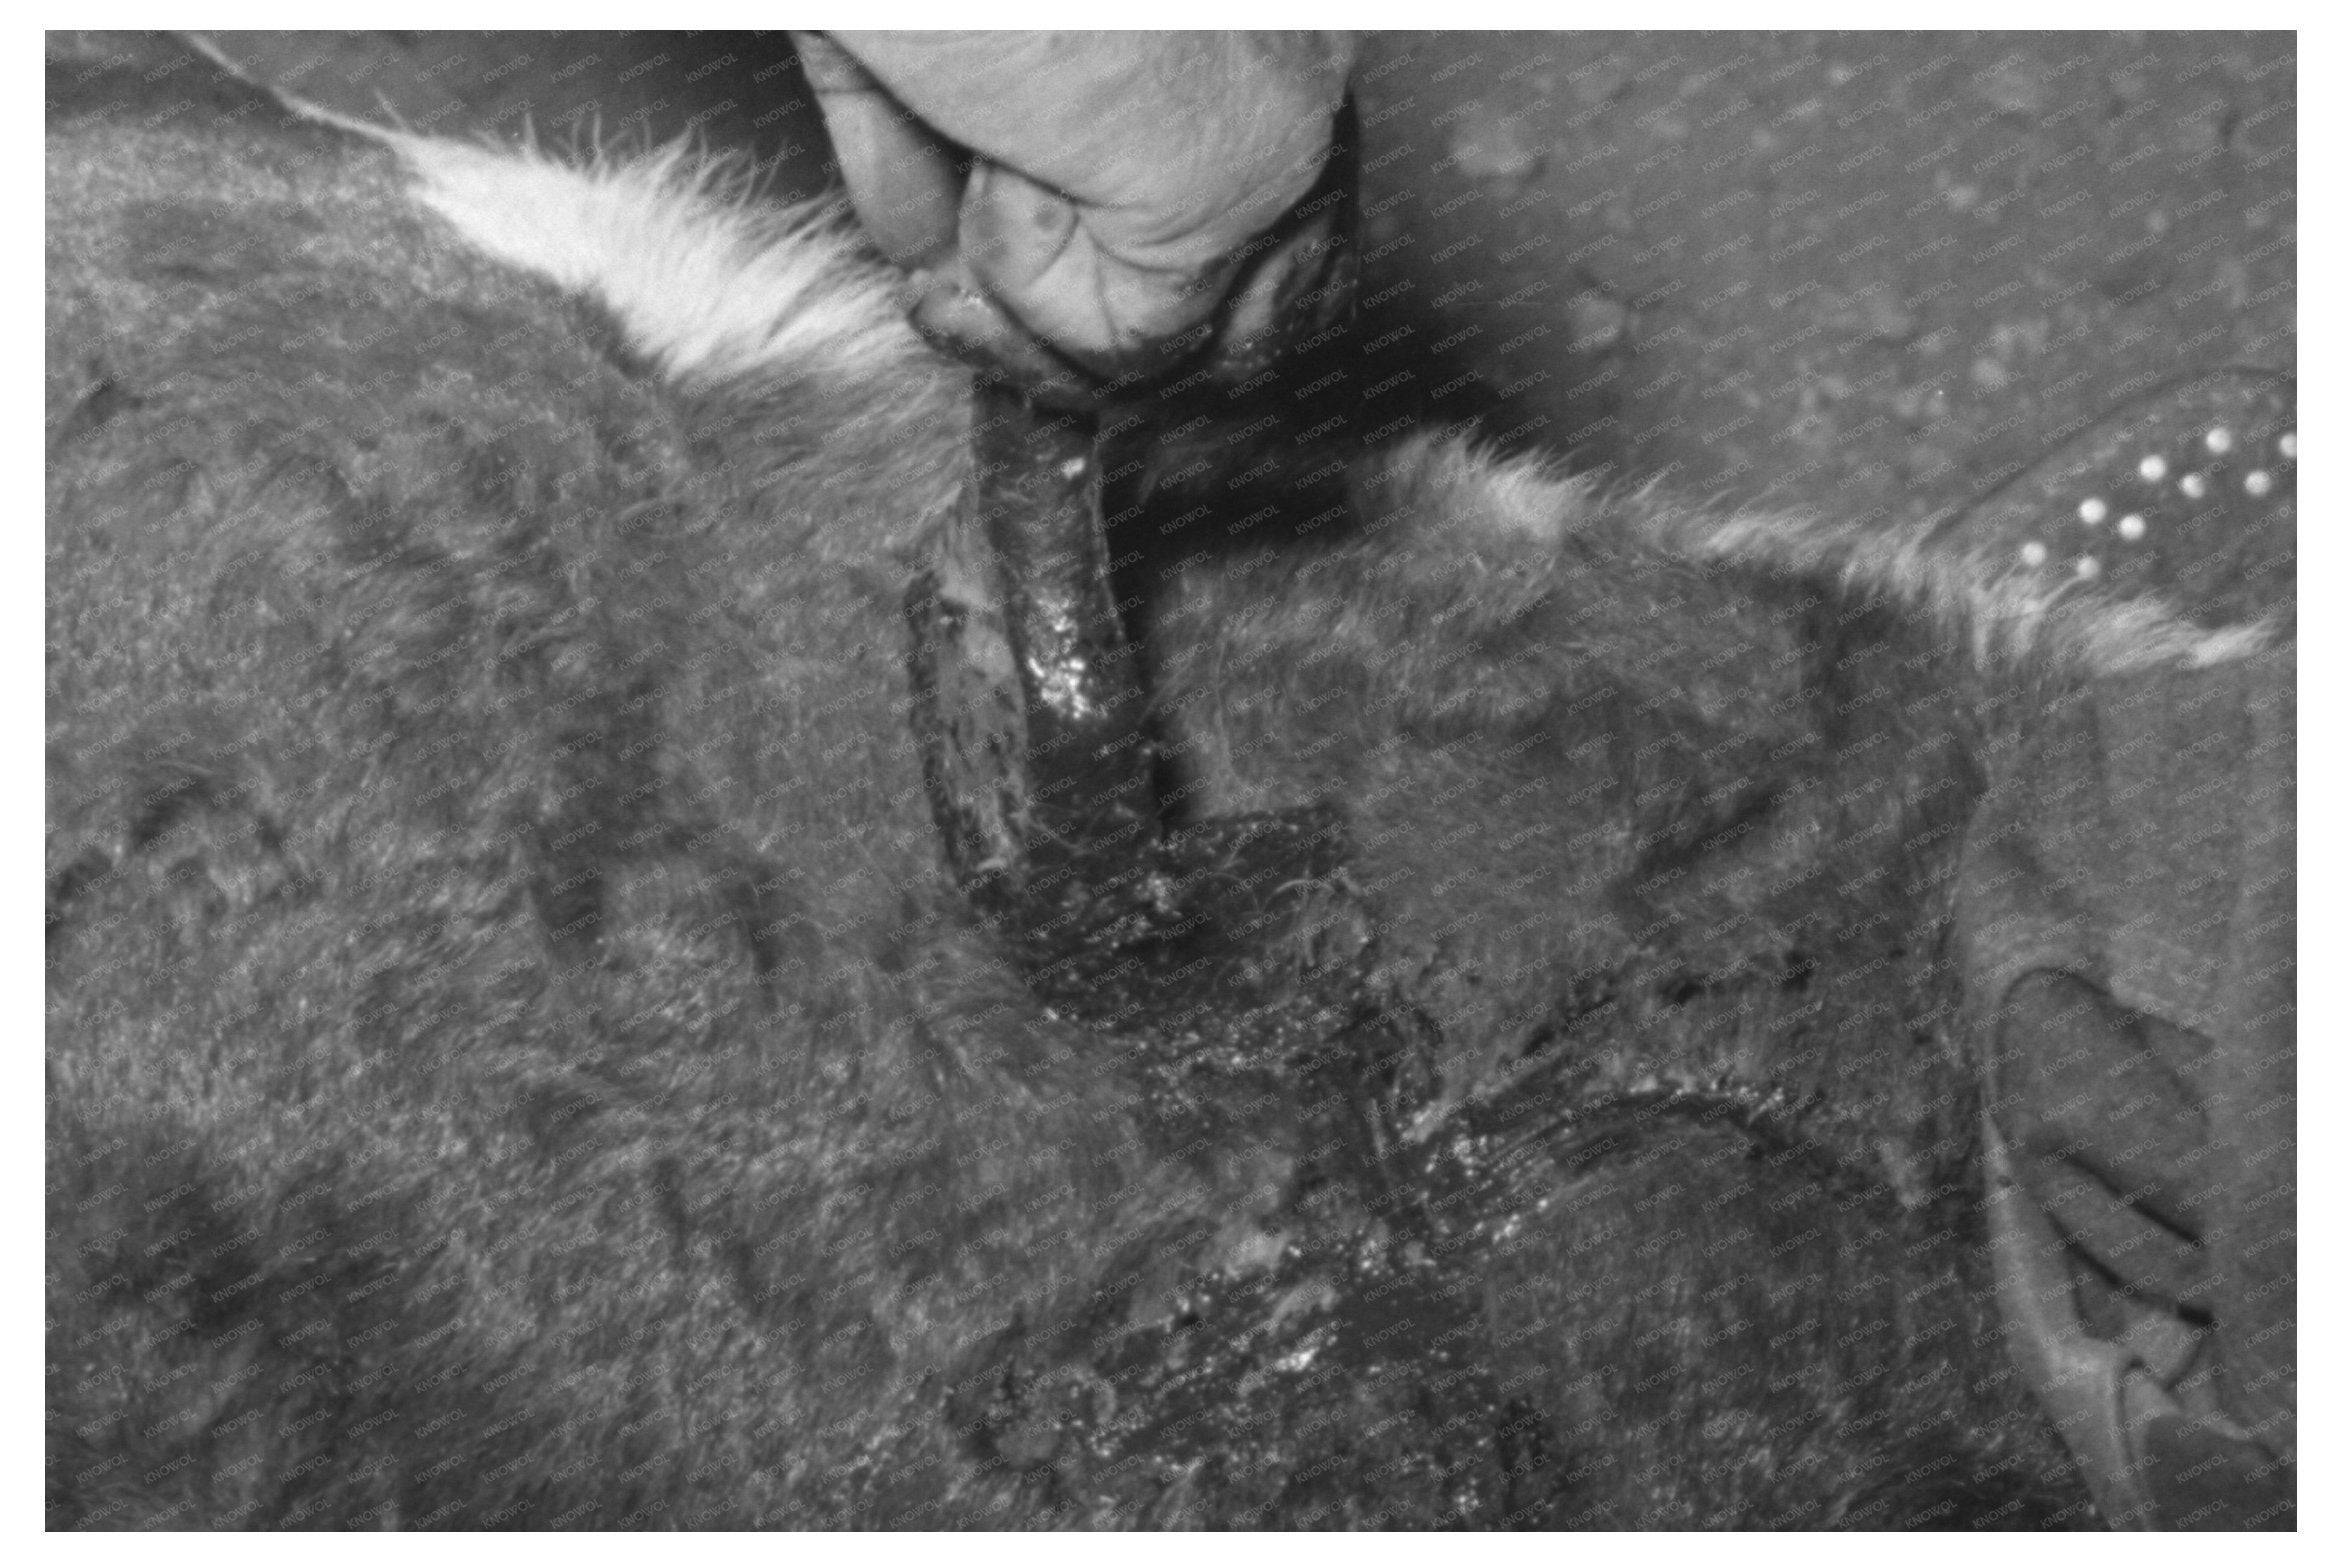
column 518, row 1057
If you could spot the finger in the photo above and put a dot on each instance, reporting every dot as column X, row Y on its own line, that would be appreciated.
column 1034, row 250
column 956, row 313
column 899, row 176
column 1175, row 146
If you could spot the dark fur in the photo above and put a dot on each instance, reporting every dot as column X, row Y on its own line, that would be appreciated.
column 516, row 1059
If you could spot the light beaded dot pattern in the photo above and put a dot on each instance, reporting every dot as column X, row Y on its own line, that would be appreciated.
column 2219, row 441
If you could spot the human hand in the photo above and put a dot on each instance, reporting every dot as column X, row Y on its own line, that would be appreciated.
column 1122, row 184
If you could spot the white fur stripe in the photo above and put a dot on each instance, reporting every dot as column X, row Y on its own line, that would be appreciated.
column 2008, row 620
column 707, row 282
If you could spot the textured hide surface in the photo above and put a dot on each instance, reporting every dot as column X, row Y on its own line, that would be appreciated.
column 515, row 1057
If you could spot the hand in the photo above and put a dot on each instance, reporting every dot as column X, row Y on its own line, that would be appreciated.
column 1117, row 179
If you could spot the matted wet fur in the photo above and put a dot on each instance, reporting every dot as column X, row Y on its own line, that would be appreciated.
column 516, row 1058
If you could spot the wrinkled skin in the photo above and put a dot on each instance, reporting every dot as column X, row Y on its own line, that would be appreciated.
column 1118, row 177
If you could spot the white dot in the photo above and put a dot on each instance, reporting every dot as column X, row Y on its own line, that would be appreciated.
column 2092, row 511
column 2287, row 444
column 2257, row 483
column 2153, row 468
column 2219, row 441
column 2034, row 555
column 2192, row 484
column 2132, row 527
column 2086, row 568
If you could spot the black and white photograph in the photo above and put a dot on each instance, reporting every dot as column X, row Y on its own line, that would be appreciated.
column 908, row 780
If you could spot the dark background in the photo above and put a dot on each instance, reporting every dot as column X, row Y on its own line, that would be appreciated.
column 1873, row 271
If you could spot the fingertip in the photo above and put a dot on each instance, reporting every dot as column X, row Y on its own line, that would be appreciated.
column 1035, row 252
column 898, row 175
column 1013, row 231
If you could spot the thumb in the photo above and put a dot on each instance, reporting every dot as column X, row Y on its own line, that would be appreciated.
column 1041, row 255
column 898, row 173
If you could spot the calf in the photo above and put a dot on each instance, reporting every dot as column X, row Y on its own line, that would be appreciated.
column 520, row 1056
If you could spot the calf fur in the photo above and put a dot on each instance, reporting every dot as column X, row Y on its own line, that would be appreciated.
column 516, row 1057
